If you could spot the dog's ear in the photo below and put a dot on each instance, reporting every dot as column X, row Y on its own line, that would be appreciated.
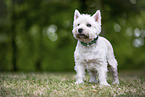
column 77, row 14
column 97, row 16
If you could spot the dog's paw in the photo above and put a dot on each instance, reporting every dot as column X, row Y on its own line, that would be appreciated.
column 104, row 84
column 92, row 81
column 115, row 82
column 79, row 82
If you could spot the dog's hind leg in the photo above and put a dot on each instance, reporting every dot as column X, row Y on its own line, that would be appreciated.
column 112, row 64
column 113, row 69
column 93, row 76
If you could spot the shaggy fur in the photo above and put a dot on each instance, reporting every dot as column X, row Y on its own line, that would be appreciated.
column 94, row 57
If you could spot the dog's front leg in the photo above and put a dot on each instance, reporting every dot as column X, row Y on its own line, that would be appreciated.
column 102, row 74
column 80, row 69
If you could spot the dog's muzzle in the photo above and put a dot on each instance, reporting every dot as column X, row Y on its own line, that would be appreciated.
column 82, row 36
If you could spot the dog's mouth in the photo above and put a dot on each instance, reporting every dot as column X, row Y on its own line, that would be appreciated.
column 82, row 36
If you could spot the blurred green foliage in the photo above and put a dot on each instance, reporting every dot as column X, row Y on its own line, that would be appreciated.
column 36, row 35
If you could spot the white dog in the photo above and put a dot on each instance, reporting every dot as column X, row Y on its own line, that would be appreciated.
column 92, row 51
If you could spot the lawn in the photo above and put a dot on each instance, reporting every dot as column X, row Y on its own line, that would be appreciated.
column 132, row 84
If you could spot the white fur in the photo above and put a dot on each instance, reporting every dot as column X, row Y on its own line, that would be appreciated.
column 95, row 57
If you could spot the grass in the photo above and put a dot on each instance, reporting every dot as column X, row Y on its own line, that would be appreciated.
column 132, row 84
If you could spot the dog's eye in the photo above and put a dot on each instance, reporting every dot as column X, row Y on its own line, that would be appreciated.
column 89, row 25
column 78, row 24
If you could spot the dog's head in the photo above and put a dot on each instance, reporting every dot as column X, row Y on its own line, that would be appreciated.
column 86, row 27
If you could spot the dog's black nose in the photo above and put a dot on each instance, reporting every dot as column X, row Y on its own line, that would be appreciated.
column 80, row 30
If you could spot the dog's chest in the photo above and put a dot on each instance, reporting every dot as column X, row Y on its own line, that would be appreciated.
column 90, row 56
column 91, row 53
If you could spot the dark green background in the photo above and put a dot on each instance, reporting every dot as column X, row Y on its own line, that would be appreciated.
column 36, row 35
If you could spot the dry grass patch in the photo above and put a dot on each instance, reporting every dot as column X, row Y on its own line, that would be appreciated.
column 132, row 83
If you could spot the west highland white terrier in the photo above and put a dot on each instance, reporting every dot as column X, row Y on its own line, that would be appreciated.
column 93, row 52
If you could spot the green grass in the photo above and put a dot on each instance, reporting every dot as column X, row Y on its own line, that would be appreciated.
column 132, row 84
